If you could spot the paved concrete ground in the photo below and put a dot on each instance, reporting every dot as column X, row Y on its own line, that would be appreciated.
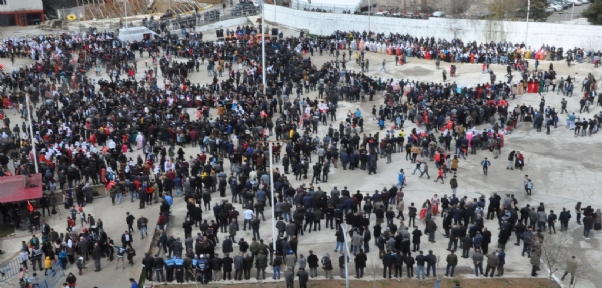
column 561, row 166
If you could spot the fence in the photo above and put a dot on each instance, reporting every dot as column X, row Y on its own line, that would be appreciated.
column 54, row 276
column 9, row 269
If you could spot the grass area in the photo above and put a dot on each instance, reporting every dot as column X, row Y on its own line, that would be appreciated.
column 6, row 229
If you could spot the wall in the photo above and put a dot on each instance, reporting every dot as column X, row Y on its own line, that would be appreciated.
column 560, row 35
column 223, row 24
column 14, row 5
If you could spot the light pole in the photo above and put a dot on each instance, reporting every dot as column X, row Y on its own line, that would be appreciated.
column 572, row 10
column 272, row 195
column 263, row 68
column 33, row 145
column 369, row 15
column 343, row 228
column 527, row 32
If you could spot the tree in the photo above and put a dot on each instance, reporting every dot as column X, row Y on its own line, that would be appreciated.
column 555, row 251
column 593, row 13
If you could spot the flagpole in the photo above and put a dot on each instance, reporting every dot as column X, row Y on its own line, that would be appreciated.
column 263, row 68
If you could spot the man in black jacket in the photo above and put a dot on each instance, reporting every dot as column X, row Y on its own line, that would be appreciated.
column 399, row 259
column 303, row 278
column 387, row 262
column 360, row 264
column 420, row 260
column 431, row 260
column 409, row 260
column 412, row 214
column 216, row 266
column 129, row 219
column 312, row 262
column 466, row 245
column 159, row 263
column 148, row 263
column 227, row 266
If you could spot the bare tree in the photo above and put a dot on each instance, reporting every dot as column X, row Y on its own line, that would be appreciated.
column 554, row 252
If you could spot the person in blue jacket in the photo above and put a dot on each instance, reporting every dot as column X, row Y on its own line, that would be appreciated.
column 400, row 179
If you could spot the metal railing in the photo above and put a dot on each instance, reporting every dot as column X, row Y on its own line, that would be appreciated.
column 53, row 277
column 10, row 269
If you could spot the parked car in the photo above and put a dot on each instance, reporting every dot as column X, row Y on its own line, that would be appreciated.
column 555, row 7
column 438, row 14
column 574, row 2
column 385, row 14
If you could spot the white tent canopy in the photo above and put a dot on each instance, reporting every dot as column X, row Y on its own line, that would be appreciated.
column 336, row 6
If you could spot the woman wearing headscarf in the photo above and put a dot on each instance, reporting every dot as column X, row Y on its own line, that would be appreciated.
column 139, row 141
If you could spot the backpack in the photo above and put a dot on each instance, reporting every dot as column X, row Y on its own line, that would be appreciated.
column 478, row 210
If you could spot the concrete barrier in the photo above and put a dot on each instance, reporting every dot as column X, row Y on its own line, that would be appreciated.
column 539, row 33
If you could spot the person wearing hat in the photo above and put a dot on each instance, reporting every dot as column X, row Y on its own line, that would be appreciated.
column 290, row 260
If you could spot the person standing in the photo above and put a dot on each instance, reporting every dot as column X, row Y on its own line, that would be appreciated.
column 477, row 259
column 501, row 262
column 387, row 262
column 327, row 266
column 383, row 67
column 261, row 262
column 97, row 255
column 312, row 262
column 238, row 265
column 289, row 278
column 431, row 260
column 303, row 278
column 420, row 260
column 564, row 218
column 147, row 263
column 492, row 262
column 454, row 184
column 588, row 224
column 360, row 264
column 216, row 266
column 452, row 261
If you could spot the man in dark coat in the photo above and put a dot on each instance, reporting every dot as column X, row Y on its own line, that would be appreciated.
column 227, row 265
column 360, row 264
column 387, row 262
column 303, row 278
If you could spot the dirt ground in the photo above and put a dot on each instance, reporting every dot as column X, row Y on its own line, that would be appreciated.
column 405, row 283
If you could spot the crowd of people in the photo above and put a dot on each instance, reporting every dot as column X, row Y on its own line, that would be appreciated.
column 84, row 128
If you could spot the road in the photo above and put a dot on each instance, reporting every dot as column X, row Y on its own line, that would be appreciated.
column 569, row 14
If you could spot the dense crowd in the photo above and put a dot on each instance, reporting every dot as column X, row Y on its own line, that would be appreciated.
column 84, row 128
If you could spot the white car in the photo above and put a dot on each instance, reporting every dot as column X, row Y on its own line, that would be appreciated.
column 575, row 2
column 438, row 14
column 555, row 7
column 385, row 14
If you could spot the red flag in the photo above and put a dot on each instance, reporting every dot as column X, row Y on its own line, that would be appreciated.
column 29, row 206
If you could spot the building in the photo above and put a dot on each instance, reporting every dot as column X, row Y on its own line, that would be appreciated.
column 21, row 12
